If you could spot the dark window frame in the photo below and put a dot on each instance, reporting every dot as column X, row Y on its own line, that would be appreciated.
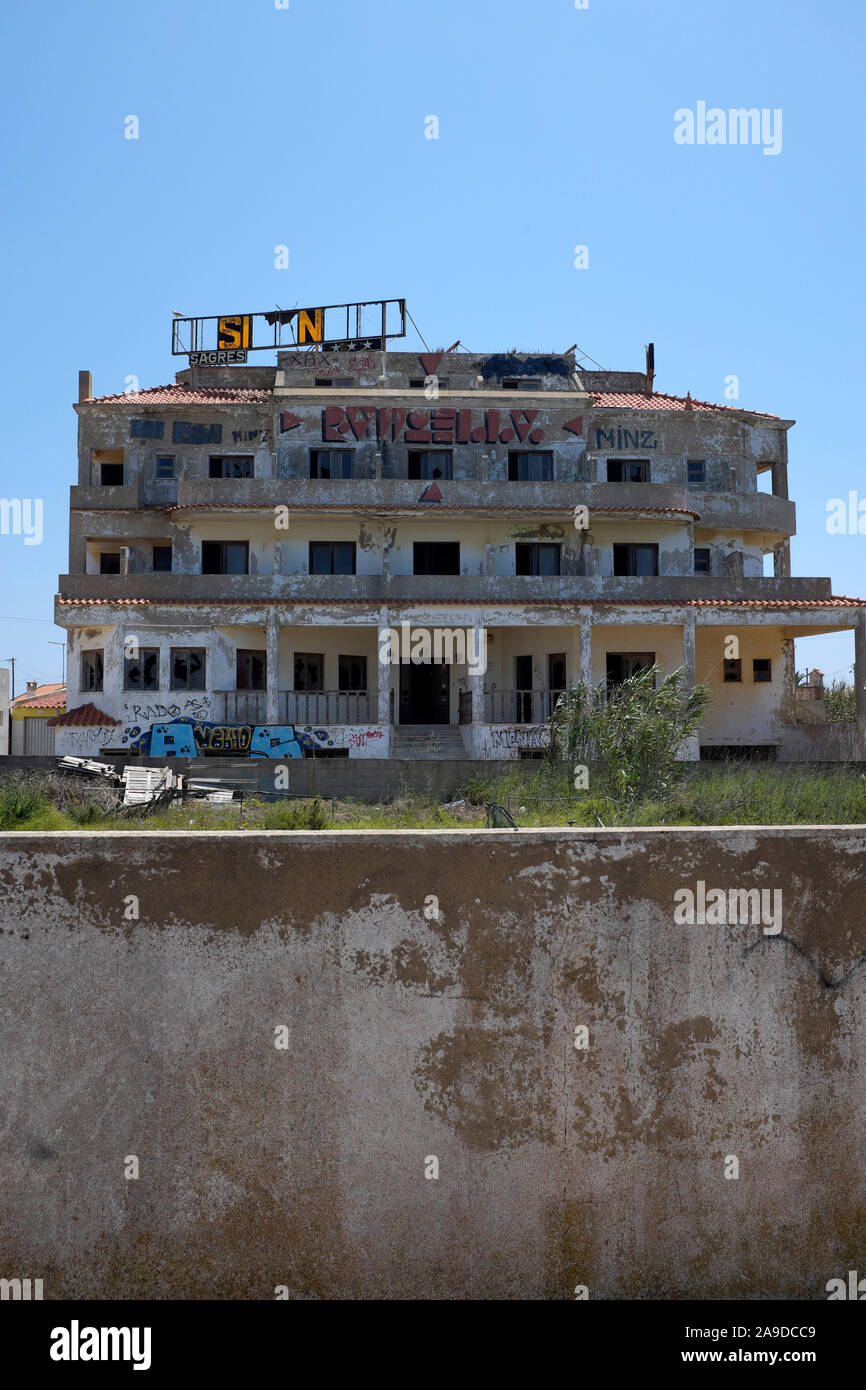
column 246, row 657
column 223, row 555
column 347, row 685
column 519, row 457
column 113, row 557
column 105, row 469
column 415, row 461
column 640, row 466
column 732, row 670
column 145, row 655
column 346, row 465
column 225, row 461
column 764, row 665
column 165, row 458
column 632, row 548
column 175, row 654
column 302, row 660
column 703, row 550
column 429, row 548
column 331, row 546
column 162, row 569
column 97, row 666
column 534, row 549
column 701, row 479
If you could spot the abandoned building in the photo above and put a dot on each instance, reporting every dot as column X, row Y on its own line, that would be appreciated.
column 243, row 541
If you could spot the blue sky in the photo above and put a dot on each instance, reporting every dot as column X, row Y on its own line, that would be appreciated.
column 305, row 126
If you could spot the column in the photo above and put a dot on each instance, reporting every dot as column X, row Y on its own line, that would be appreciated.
column 860, row 680
column 789, row 681
column 383, row 671
column 272, row 698
column 586, row 646
column 689, row 666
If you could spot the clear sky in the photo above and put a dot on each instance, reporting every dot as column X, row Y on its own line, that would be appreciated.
column 305, row 127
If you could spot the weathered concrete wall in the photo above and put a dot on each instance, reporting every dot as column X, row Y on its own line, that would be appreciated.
column 411, row 1036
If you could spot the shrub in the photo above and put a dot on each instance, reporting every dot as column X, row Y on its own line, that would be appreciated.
column 295, row 815
column 21, row 797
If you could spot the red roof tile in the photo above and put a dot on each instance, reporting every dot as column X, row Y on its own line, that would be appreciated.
column 43, row 697
column 82, row 717
column 404, row 507
column 836, row 601
column 186, row 395
column 638, row 400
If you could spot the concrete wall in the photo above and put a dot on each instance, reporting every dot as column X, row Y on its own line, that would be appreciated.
column 412, row 1037
column 5, row 682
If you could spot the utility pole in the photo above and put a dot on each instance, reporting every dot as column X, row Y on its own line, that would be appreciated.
column 11, row 661
column 63, row 645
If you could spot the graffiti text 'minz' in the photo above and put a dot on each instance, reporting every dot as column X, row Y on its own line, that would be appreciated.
column 625, row 439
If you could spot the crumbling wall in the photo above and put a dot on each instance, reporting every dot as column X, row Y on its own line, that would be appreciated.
column 432, row 1064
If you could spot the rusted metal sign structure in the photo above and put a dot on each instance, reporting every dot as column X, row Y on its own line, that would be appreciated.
column 225, row 339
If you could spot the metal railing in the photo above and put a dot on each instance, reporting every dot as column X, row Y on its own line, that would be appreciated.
column 519, row 706
column 327, row 707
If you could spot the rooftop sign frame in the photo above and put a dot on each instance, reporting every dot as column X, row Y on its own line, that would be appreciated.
column 226, row 339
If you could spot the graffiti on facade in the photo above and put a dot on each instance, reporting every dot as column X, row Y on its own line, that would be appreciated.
column 147, row 429
column 194, row 707
column 190, row 738
column 437, row 425
column 533, row 736
column 625, row 439
column 360, row 737
column 504, row 364
column 191, row 432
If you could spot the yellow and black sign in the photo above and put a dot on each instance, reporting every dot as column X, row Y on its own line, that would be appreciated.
column 235, row 331
column 311, row 325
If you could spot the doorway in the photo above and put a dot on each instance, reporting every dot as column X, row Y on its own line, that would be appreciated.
column 425, row 693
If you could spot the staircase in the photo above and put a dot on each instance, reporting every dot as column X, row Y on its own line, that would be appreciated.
column 427, row 741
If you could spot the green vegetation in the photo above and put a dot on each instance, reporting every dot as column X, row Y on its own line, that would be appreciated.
column 840, row 701
column 537, row 794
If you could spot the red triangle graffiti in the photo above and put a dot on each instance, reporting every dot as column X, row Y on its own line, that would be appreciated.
column 574, row 426
column 430, row 361
column 288, row 421
column 431, row 494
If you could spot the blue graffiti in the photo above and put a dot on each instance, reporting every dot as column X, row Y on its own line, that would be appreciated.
column 503, row 364
column 192, row 738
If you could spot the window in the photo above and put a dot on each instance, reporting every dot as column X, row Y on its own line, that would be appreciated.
column 111, row 474
column 523, row 383
column 165, row 466
column 697, row 472
column 638, row 560
column 309, row 671
column 162, row 559
column 628, row 471
column 418, row 383
column 91, row 670
column 762, row 669
column 530, row 468
column 352, row 672
column 622, row 665
column 436, row 557
column 188, row 668
column 251, row 669
column 231, row 466
column 432, row 463
column 141, row 672
column 332, row 557
column 537, row 558
column 225, row 557
column 331, row 463
column 335, row 381
column 702, row 559
column 733, row 669
column 109, row 562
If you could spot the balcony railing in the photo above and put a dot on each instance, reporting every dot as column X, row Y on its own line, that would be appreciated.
column 300, row 707
column 519, row 706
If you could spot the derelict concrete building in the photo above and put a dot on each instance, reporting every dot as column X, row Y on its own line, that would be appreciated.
column 241, row 540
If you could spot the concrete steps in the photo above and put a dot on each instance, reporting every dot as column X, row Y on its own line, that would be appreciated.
column 421, row 741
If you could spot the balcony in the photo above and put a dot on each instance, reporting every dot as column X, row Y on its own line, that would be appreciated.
column 313, row 707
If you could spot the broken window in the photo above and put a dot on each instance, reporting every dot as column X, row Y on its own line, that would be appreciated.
column 620, row 666
column 251, row 670
column 530, row 467
column 352, row 673
column 702, row 559
column 732, row 668
column 436, row 557
column 332, row 557
column 91, row 670
column 188, row 668
column 225, row 557
column 231, row 466
column 339, row 381
column 537, row 558
column 309, row 671
column 628, row 471
column 141, row 672
column 762, row 669
column 641, row 560
column 109, row 562
column 331, row 463
column 427, row 464
column 161, row 563
column 109, row 463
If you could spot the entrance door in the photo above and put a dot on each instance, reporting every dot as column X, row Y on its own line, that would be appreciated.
column 425, row 694
column 523, row 689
